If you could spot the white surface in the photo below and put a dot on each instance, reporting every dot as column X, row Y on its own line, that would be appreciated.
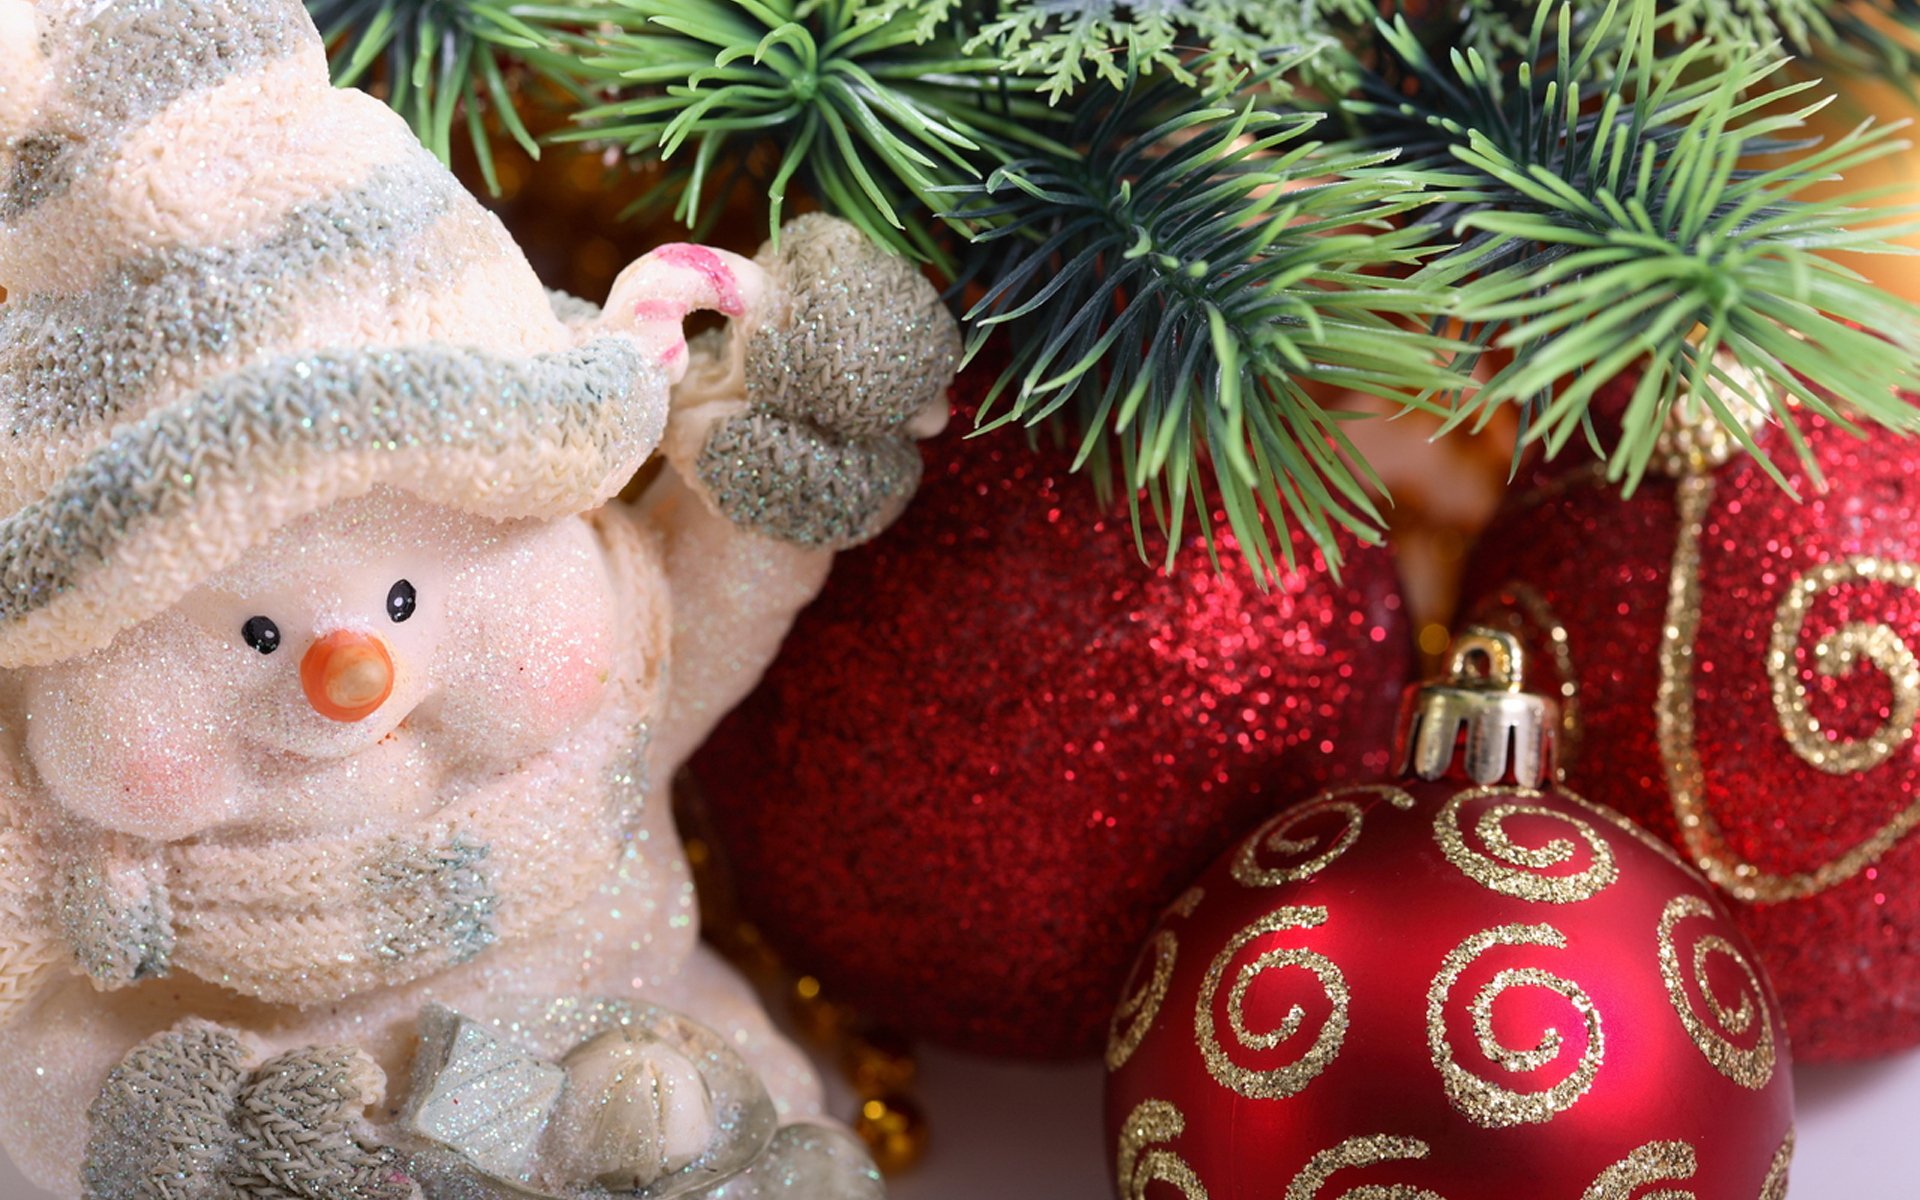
column 1858, row 1137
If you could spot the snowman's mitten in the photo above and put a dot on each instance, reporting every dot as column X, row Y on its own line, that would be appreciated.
column 301, row 1132
column 789, row 480
column 161, row 1127
column 182, row 1117
column 849, row 344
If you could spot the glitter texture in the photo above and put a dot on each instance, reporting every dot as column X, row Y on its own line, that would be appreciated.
column 1708, row 1022
column 1360, row 1152
column 1229, row 1065
column 1391, row 1025
column 1139, row 1010
column 1655, row 1162
column 265, row 365
column 1516, row 870
column 1483, row 1100
column 999, row 743
column 854, row 345
column 1747, row 687
column 1139, row 1162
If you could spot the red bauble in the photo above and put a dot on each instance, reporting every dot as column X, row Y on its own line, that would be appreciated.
column 998, row 743
column 1448, row 992
column 1742, row 676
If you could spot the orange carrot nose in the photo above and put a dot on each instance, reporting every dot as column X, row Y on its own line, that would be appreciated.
column 347, row 675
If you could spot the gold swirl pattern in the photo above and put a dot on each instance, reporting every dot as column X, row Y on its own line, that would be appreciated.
column 1513, row 870
column 1137, row 1012
column 1775, row 1187
column 1485, row 1102
column 1188, row 902
column 1279, row 1082
column 1273, row 838
column 1151, row 1124
column 1655, row 1162
column 1839, row 653
column 1686, row 779
column 1751, row 1067
column 1360, row 1152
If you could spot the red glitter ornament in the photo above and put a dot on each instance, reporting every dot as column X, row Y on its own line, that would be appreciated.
column 1466, row 988
column 998, row 743
column 1740, row 676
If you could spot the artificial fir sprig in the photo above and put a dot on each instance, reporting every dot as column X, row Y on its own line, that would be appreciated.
column 442, row 61
column 1066, row 45
column 1582, row 189
column 1610, row 218
column 1180, row 289
column 874, row 108
column 1878, row 37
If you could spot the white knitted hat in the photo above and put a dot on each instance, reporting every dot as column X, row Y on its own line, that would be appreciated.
column 236, row 295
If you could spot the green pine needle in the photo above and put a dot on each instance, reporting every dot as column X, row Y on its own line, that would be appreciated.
column 1503, row 30
column 453, row 59
column 870, row 105
column 1874, row 37
column 1173, row 279
column 1611, row 218
column 1066, row 45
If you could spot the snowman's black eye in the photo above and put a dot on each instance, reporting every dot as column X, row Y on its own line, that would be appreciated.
column 400, row 600
column 262, row 634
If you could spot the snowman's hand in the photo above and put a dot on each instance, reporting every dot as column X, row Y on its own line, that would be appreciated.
column 161, row 1126
column 184, row 1116
column 850, row 338
column 787, row 479
column 846, row 360
column 302, row 1134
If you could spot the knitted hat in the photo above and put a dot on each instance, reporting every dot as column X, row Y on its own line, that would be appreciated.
column 237, row 295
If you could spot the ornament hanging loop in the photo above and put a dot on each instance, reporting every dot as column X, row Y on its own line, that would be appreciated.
column 1479, row 712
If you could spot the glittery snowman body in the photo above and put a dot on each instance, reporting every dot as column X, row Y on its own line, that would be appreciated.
column 358, row 600
column 541, row 677
column 531, row 669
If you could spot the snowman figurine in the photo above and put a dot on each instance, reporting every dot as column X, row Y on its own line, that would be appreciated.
column 358, row 599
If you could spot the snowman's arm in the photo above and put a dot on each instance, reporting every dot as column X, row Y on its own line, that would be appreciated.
column 100, row 1095
column 735, row 593
column 791, row 436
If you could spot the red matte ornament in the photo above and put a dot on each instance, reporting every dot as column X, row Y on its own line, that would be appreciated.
column 1449, row 990
column 998, row 743
column 1740, row 676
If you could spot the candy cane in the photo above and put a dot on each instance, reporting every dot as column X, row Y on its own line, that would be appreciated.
column 652, row 298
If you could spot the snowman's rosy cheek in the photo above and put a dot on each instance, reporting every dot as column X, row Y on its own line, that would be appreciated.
column 577, row 682
column 146, row 783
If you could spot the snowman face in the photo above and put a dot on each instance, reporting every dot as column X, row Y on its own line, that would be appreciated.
column 351, row 672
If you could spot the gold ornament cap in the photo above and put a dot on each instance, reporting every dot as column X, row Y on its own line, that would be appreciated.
column 1479, row 711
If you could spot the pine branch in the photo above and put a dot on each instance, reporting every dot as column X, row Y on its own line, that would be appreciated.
column 1502, row 31
column 1174, row 279
column 446, row 60
column 871, row 105
column 1108, row 40
column 1613, row 218
column 1873, row 37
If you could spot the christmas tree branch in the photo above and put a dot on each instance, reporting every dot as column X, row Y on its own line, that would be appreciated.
column 1611, row 217
column 872, row 107
column 1188, row 291
column 1194, row 222
column 439, row 62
